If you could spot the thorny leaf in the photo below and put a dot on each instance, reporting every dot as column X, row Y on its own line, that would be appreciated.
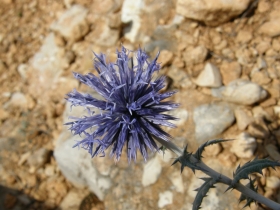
column 248, row 199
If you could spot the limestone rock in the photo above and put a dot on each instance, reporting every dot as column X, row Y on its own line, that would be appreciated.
column 244, row 146
column 211, row 12
column 196, row 55
column 165, row 198
column 103, row 34
column 180, row 78
column 72, row 23
column 211, row 120
column 243, row 92
column 209, row 77
column 243, row 118
column 152, row 170
column 271, row 28
column 230, row 71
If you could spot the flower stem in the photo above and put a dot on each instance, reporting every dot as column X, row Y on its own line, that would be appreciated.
column 226, row 180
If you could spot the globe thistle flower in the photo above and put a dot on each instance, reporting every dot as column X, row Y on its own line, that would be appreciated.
column 132, row 110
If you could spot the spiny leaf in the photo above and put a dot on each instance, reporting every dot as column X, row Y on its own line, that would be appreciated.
column 250, row 167
column 248, row 199
column 185, row 160
column 202, row 192
column 198, row 153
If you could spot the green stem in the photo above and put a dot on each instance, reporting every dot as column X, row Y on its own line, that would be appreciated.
column 224, row 179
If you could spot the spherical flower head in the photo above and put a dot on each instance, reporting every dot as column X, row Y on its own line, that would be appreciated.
column 132, row 110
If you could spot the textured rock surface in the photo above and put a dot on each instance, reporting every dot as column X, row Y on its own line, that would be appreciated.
column 212, row 12
column 243, row 92
column 211, row 120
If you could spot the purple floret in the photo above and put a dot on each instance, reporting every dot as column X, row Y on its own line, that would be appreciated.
column 132, row 109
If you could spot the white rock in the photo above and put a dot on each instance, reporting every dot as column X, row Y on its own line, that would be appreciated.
column 244, row 146
column 165, row 198
column 39, row 157
column 209, row 77
column 211, row 12
column 76, row 164
column 243, row 92
column 48, row 64
column 22, row 69
column 177, row 181
column 131, row 11
column 151, row 172
column 72, row 23
column 243, row 118
column 211, row 120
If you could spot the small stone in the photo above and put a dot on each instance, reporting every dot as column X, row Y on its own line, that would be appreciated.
column 262, row 47
column 196, row 55
column 22, row 69
column 271, row 28
column 244, row 146
column 180, row 78
column 244, row 36
column 19, row 100
column 39, row 157
column 230, row 71
column 72, row 24
column 165, row 57
column 165, row 198
column 273, row 182
column 177, row 181
column 211, row 120
column 261, row 78
column 243, row 92
column 263, row 6
column 50, row 170
column 209, row 77
column 211, row 12
column 151, row 172
column 73, row 199
column 269, row 102
column 276, row 44
column 243, row 118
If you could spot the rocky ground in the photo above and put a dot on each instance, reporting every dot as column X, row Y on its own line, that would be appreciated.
column 224, row 60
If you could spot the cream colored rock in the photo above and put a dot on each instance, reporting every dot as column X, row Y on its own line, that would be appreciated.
column 72, row 23
column 243, row 92
column 209, row 77
column 243, row 118
column 211, row 12
column 244, row 146
column 271, row 28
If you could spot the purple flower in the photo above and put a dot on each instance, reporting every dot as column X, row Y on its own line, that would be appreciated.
column 132, row 110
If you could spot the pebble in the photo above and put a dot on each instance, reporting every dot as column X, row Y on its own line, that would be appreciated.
column 180, row 78
column 272, row 182
column 177, row 181
column 165, row 198
column 211, row 120
column 209, row 77
column 243, row 118
column 230, row 71
column 212, row 12
column 243, row 92
column 195, row 55
column 151, row 172
column 270, row 28
column 39, row 157
column 244, row 146
column 244, row 36
column 165, row 58
column 72, row 23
